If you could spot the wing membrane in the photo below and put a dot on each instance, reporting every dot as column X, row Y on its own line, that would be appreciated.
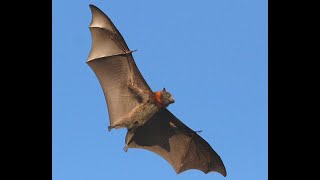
column 183, row 148
column 112, row 62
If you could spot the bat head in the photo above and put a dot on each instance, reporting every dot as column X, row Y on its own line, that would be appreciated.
column 167, row 98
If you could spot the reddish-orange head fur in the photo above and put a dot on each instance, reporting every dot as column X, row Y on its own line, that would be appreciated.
column 158, row 96
column 163, row 98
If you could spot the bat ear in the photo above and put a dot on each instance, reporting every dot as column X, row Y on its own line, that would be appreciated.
column 164, row 90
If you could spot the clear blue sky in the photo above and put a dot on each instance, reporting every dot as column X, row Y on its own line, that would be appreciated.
column 211, row 55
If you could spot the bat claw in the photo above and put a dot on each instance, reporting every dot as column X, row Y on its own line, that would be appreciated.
column 110, row 128
column 125, row 148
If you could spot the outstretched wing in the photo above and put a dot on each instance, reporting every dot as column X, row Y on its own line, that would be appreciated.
column 112, row 62
column 183, row 148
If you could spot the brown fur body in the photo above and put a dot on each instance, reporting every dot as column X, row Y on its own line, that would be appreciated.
column 150, row 105
column 140, row 115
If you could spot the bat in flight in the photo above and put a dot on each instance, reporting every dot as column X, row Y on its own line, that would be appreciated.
column 133, row 105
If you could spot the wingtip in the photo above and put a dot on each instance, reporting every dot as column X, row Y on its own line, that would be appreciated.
column 99, row 18
column 218, row 168
column 222, row 170
column 93, row 8
column 224, row 173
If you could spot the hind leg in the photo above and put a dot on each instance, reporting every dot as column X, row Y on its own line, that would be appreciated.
column 111, row 127
column 124, row 123
column 129, row 137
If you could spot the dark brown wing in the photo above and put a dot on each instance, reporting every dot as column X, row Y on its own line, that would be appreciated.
column 114, row 66
column 183, row 148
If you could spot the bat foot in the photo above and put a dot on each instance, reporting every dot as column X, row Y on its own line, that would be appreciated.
column 125, row 148
column 110, row 128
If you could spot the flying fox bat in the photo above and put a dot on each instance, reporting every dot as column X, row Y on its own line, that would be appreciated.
column 133, row 105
